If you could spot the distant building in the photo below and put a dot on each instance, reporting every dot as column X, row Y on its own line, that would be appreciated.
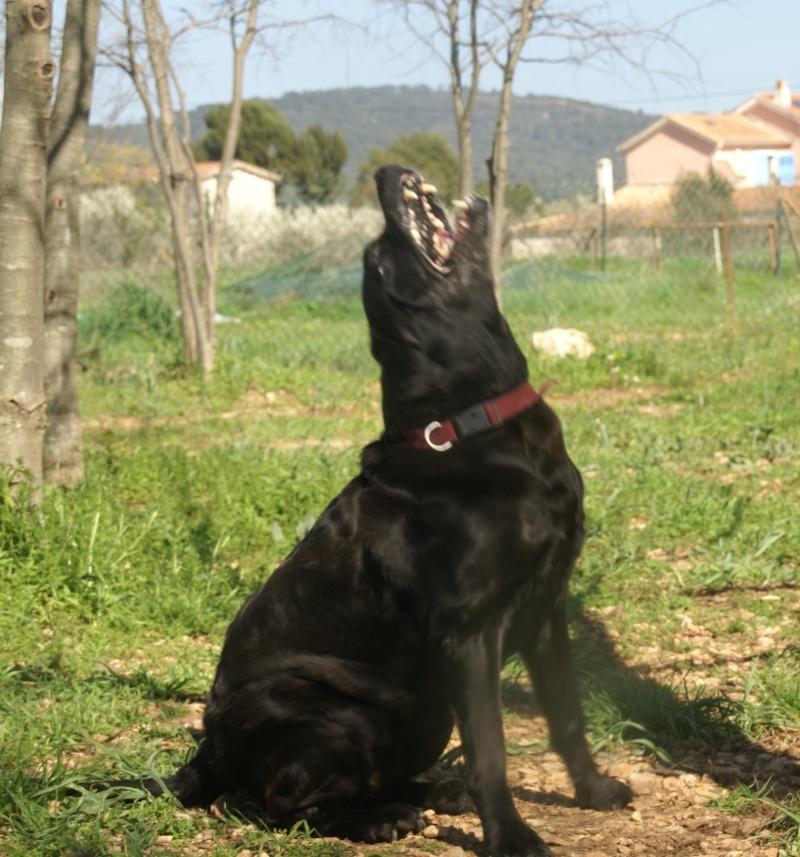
column 756, row 145
column 779, row 110
column 252, row 189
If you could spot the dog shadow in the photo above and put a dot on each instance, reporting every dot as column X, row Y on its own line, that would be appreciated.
column 682, row 731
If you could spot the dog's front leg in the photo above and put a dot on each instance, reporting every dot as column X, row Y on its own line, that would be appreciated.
column 547, row 656
column 473, row 672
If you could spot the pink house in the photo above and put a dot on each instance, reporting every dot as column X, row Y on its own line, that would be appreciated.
column 779, row 110
column 755, row 145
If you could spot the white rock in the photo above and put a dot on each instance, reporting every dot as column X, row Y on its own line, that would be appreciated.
column 563, row 342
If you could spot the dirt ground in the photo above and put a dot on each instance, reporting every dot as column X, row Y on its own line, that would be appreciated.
column 673, row 811
column 669, row 815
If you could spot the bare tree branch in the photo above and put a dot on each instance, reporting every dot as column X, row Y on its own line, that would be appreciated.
column 504, row 33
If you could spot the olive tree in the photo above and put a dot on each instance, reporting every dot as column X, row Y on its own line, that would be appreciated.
column 27, row 88
column 63, row 448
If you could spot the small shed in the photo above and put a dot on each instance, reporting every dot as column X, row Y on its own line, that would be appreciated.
column 252, row 188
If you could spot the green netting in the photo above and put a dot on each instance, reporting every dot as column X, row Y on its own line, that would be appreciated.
column 307, row 277
column 536, row 273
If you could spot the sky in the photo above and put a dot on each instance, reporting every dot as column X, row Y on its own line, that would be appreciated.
column 741, row 47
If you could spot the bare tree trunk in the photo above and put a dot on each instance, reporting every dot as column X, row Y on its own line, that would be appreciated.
column 462, row 108
column 63, row 449
column 498, row 163
column 176, row 165
column 29, row 71
column 180, row 182
column 212, row 241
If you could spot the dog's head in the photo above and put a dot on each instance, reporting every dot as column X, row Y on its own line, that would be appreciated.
column 429, row 297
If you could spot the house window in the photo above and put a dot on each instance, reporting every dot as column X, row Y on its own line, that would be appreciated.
column 785, row 169
column 763, row 170
column 770, row 169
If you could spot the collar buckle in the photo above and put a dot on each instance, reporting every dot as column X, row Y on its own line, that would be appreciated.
column 429, row 430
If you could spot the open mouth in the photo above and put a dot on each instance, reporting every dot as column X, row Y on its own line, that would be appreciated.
column 427, row 224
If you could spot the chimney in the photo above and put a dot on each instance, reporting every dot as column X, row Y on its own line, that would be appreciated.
column 783, row 95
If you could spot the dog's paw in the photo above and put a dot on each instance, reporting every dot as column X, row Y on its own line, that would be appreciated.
column 390, row 822
column 518, row 840
column 601, row 792
column 383, row 823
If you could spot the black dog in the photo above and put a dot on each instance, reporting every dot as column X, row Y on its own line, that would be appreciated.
column 342, row 676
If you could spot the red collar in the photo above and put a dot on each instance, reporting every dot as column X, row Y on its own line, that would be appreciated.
column 440, row 436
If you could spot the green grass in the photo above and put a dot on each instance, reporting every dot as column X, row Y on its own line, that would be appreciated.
column 115, row 597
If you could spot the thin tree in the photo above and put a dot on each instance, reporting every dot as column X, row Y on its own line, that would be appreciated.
column 27, row 89
column 517, row 30
column 147, row 56
column 63, row 449
column 471, row 35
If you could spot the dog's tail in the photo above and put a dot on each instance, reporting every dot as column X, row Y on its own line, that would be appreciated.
column 194, row 784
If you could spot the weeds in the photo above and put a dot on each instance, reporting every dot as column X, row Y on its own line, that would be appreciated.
column 115, row 596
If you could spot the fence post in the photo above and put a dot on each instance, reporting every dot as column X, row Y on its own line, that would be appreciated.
column 603, row 224
column 657, row 243
column 726, row 246
column 773, row 249
column 784, row 203
column 717, row 251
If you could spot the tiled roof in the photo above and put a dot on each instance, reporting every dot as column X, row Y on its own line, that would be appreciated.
column 727, row 128
column 721, row 129
column 211, row 168
column 793, row 107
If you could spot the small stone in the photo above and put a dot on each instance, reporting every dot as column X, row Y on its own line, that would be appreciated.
column 431, row 831
column 636, row 815
column 643, row 783
column 750, row 826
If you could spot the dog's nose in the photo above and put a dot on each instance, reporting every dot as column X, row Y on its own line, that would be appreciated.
column 384, row 175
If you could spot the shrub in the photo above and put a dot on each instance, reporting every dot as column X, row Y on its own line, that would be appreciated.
column 132, row 309
column 120, row 229
column 288, row 233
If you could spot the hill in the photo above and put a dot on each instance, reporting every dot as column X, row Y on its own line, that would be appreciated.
column 555, row 142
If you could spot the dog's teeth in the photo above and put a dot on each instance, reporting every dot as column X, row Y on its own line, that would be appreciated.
column 436, row 222
column 409, row 194
column 460, row 205
column 443, row 244
column 426, row 187
column 415, row 234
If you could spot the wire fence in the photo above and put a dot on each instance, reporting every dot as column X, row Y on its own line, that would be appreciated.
column 652, row 257
column 754, row 228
